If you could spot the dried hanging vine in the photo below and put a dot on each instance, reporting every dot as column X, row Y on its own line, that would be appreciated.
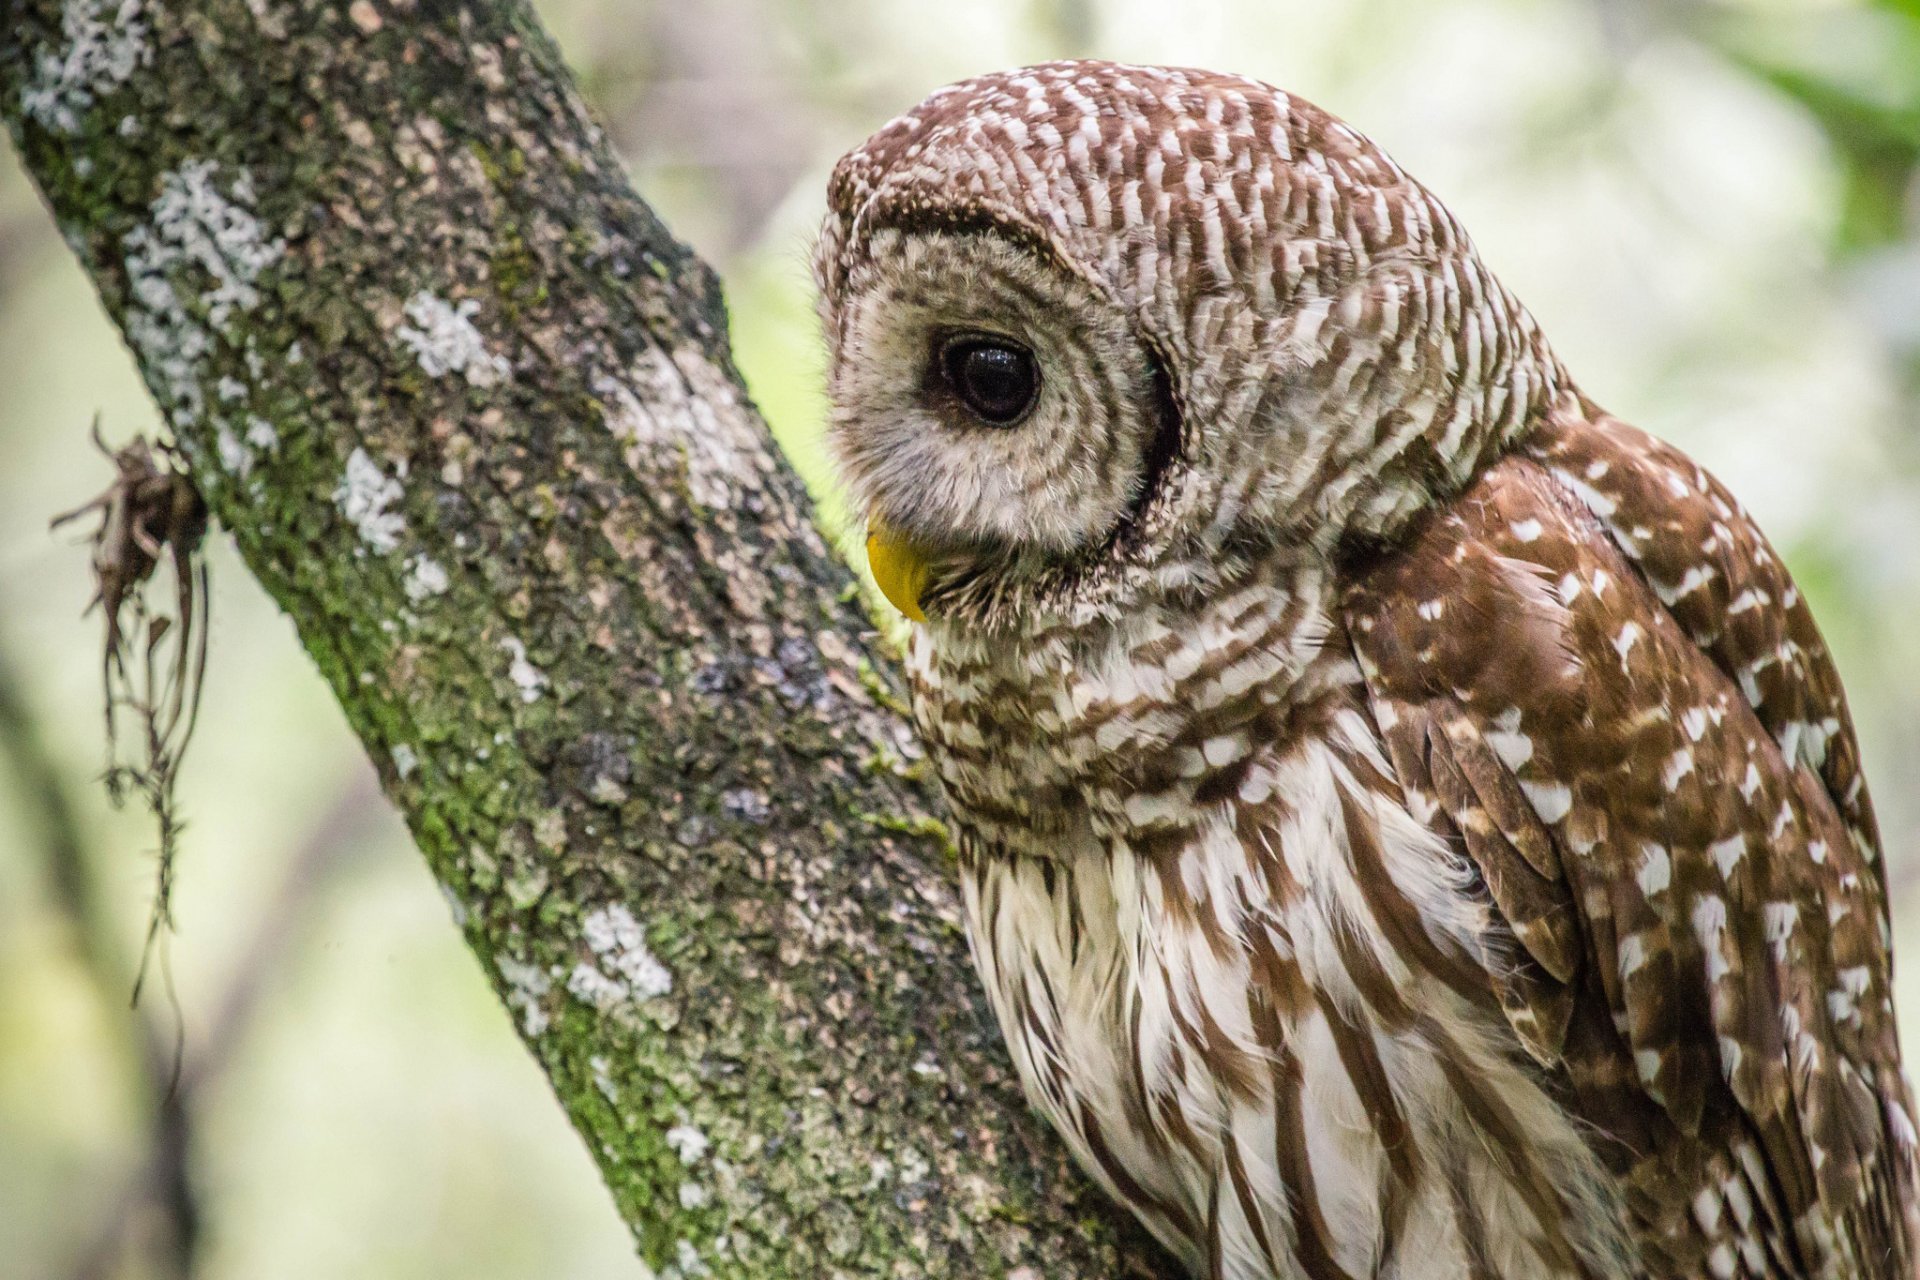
column 154, row 659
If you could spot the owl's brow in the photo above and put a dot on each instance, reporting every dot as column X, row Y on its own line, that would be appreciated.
column 917, row 215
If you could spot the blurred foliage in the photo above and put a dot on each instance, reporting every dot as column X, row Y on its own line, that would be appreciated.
column 1856, row 72
column 1711, row 206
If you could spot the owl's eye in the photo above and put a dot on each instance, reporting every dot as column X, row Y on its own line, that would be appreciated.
column 993, row 377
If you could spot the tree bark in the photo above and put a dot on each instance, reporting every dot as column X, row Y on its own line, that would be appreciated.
column 467, row 409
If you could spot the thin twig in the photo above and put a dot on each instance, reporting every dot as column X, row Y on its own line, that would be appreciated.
column 150, row 515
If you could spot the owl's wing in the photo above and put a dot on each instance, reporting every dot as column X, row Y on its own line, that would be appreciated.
column 1594, row 675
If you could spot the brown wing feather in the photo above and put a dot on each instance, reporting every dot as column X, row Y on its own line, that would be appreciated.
column 1596, row 676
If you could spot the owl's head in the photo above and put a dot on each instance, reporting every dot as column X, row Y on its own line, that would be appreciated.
column 1097, row 331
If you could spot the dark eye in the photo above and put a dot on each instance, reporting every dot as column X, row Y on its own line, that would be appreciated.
column 993, row 377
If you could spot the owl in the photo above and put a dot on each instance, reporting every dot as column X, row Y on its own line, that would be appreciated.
column 1410, row 826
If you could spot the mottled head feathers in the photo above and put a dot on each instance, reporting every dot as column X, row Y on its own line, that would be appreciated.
column 1254, row 330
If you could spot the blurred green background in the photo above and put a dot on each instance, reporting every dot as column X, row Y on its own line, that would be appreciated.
column 1712, row 208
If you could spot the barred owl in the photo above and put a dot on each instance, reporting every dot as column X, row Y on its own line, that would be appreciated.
column 1410, row 825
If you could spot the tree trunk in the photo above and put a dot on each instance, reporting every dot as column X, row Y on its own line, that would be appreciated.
column 468, row 411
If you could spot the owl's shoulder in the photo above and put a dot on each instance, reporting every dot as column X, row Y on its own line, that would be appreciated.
column 1715, row 573
column 1594, row 674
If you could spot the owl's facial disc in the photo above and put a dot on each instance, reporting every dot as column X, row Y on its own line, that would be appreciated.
column 992, row 413
column 996, row 380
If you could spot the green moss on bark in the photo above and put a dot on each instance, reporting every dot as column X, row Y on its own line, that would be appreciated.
column 467, row 409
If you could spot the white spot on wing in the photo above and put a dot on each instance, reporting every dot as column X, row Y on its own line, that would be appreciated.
column 1782, row 918
column 1598, row 503
column 1726, row 854
column 1514, row 749
column 1552, row 800
column 1623, row 643
column 1709, row 922
column 1656, row 869
column 1525, row 530
column 1696, row 577
column 1633, row 954
column 1512, row 746
column 1902, row 1124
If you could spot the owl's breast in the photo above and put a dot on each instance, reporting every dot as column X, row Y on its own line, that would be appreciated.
column 1243, row 982
column 1130, row 727
column 1271, row 1037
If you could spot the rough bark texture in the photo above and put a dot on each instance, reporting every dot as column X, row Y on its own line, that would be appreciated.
column 467, row 409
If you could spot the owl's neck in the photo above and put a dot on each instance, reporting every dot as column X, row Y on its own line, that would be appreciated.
column 1096, row 724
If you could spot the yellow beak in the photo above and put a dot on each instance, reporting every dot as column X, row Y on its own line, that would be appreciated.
column 899, row 568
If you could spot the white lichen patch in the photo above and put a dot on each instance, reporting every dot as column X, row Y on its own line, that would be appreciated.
column 364, row 497
column 674, row 413
column 603, row 1077
column 106, row 42
column 455, row 908
column 527, row 987
column 529, row 679
column 404, row 761
column 425, row 578
column 912, row 1165
column 687, row 1263
column 693, row 1195
column 590, row 986
column 618, row 942
column 623, row 970
column 688, row 1143
column 191, row 269
column 218, row 233
column 239, row 451
column 235, row 458
column 445, row 340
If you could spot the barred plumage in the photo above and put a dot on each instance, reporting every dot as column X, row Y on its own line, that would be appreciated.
column 1411, row 827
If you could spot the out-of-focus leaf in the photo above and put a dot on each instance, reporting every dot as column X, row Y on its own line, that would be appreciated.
column 1856, row 72
column 1906, row 8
